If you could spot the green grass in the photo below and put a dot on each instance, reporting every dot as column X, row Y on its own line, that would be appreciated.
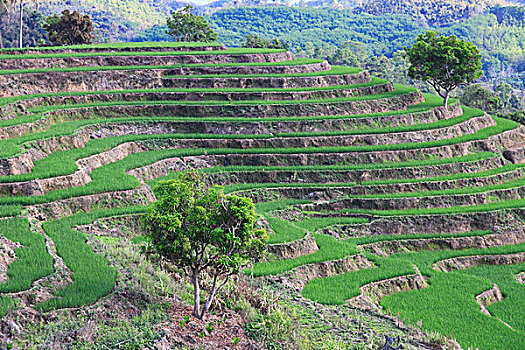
column 143, row 97
column 399, row 91
column 297, row 62
column 329, row 249
column 115, row 46
column 123, row 181
column 336, row 70
column 389, row 238
column 450, row 192
column 233, row 51
column 317, row 223
column 482, row 174
column 6, row 304
column 473, row 157
column 437, row 306
column 500, row 205
column 447, row 306
column 32, row 261
column 10, row 210
column 28, row 118
column 93, row 277
column 58, row 160
column 284, row 231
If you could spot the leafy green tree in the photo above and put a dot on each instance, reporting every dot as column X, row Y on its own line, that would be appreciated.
column 255, row 41
column 203, row 231
column 71, row 28
column 33, row 31
column 478, row 97
column 446, row 62
column 185, row 26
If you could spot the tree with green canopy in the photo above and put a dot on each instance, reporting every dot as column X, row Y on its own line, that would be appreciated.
column 71, row 28
column 204, row 232
column 184, row 26
column 446, row 62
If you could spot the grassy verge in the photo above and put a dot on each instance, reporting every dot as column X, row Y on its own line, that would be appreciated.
column 115, row 93
column 329, row 249
column 399, row 91
column 300, row 61
column 93, row 277
column 127, row 45
column 233, row 51
column 412, row 110
column 32, row 263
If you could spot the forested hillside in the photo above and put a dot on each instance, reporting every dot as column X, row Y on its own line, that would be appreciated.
column 121, row 19
column 431, row 12
column 382, row 34
column 499, row 33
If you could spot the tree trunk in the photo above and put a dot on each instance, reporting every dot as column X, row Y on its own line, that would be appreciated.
column 196, row 295
column 210, row 299
column 21, row 23
column 445, row 99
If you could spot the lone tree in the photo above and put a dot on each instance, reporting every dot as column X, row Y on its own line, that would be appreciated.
column 71, row 28
column 204, row 232
column 446, row 62
column 185, row 26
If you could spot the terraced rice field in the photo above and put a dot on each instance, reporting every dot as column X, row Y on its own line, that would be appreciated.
column 375, row 196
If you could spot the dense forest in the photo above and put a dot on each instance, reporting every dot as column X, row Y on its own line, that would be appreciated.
column 315, row 32
column 431, row 12
column 498, row 32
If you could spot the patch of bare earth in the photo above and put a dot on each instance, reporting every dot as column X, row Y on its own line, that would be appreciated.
column 7, row 256
column 220, row 331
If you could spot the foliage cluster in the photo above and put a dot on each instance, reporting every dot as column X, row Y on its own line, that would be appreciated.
column 203, row 231
column 185, row 26
column 71, row 28
column 258, row 42
column 445, row 61
column 430, row 12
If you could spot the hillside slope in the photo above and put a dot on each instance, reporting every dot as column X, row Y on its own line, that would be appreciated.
column 376, row 197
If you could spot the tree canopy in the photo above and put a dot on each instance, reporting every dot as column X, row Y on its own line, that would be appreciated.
column 71, row 28
column 255, row 41
column 203, row 231
column 446, row 62
column 183, row 25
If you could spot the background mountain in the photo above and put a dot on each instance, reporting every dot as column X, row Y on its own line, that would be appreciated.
column 117, row 19
column 316, row 28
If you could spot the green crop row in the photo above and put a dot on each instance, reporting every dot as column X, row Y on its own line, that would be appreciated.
column 6, row 304
column 127, row 45
column 32, row 261
column 399, row 91
column 233, row 51
column 116, row 93
column 473, row 157
column 412, row 110
column 63, row 129
column 512, row 184
column 329, row 249
column 494, row 206
column 335, row 70
column 297, row 62
column 438, row 305
column 93, row 277
column 486, row 173
column 10, row 210
column 11, row 147
column 389, row 238
column 123, row 181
